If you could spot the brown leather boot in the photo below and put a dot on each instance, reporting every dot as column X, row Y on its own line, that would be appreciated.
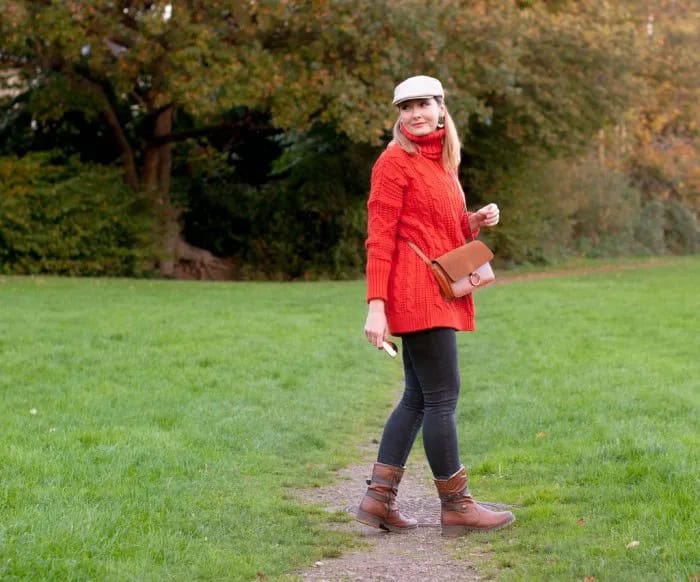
column 460, row 513
column 378, row 507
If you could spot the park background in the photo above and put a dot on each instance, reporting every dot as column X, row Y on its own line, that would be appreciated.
column 222, row 140
column 158, row 429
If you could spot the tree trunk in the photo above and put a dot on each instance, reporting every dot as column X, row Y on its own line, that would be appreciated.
column 157, row 159
column 157, row 162
column 178, row 259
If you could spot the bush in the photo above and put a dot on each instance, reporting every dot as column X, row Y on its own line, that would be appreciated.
column 680, row 229
column 556, row 208
column 535, row 225
column 73, row 219
column 578, row 206
column 668, row 227
column 607, row 209
column 650, row 230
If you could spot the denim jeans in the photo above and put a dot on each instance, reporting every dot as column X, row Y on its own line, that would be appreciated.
column 429, row 399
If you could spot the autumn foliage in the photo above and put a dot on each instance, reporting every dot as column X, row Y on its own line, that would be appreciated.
column 251, row 126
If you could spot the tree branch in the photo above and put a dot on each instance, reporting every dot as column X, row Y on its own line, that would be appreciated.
column 130, row 174
column 213, row 129
column 108, row 113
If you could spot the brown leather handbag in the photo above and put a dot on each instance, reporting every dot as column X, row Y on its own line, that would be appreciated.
column 462, row 270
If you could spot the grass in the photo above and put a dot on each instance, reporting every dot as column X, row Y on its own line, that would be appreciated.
column 153, row 430
column 584, row 412
column 150, row 430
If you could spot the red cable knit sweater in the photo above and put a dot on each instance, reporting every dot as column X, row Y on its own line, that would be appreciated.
column 413, row 198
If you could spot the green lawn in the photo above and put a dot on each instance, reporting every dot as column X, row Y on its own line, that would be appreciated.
column 152, row 430
column 585, row 411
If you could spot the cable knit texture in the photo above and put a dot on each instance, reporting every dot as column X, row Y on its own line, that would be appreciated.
column 413, row 198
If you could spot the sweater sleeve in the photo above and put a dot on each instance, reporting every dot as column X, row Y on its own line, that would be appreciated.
column 465, row 227
column 383, row 212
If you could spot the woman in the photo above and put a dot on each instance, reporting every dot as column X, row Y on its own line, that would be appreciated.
column 415, row 197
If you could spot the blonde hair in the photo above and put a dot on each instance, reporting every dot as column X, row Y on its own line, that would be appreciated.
column 451, row 149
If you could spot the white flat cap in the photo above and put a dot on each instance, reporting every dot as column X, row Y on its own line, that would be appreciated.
column 420, row 87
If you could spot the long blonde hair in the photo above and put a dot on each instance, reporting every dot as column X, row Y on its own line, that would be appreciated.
column 451, row 149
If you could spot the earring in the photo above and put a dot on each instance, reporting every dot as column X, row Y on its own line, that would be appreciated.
column 441, row 122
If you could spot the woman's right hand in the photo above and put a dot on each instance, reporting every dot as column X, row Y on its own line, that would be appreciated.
column 376, row 329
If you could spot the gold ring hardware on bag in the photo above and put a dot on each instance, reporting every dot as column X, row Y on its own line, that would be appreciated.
column 475, row 279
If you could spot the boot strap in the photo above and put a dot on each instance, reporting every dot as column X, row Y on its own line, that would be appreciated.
column 456, row 496
column 453, row 506
column 381, row 481
column 383, row 497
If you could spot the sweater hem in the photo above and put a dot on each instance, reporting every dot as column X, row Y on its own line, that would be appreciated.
column 466, row 323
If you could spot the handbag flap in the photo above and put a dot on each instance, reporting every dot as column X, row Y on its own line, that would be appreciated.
column 464, row 260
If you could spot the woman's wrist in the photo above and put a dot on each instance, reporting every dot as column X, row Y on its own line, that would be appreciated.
column 376, row 306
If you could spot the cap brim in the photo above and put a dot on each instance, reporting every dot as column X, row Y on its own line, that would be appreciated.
column 411, row 98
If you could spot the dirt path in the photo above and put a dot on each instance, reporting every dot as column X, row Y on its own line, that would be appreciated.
column 421, row 554
column 505, row 277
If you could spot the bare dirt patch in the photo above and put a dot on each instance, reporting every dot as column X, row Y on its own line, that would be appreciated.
column 420, row 554
column 504, row 277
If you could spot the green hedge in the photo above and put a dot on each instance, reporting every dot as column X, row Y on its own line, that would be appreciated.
column 70, row 219
column 557, row 208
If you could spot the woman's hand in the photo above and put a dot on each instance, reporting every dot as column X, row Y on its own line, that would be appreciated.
column 488, row 215
column 376, row 329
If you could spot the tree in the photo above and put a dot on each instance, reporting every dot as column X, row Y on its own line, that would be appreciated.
column 545, row 75
column 662, row 150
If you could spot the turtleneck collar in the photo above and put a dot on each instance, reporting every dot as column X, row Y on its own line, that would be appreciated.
column 430, row 145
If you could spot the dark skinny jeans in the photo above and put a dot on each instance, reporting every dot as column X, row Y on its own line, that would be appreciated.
column 429, row 399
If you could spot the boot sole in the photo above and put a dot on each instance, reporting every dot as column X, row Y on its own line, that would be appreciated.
column 378, row 522
column 451, row 531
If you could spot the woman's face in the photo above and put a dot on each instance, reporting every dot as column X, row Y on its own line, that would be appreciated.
column 420, row 116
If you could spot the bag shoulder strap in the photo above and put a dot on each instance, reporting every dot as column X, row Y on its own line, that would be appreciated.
column 419, row 252
column 461, row 190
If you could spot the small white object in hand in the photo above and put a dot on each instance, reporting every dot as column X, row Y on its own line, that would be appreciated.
column 389, row 348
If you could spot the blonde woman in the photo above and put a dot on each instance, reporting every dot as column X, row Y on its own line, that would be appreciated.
column 415, row 197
